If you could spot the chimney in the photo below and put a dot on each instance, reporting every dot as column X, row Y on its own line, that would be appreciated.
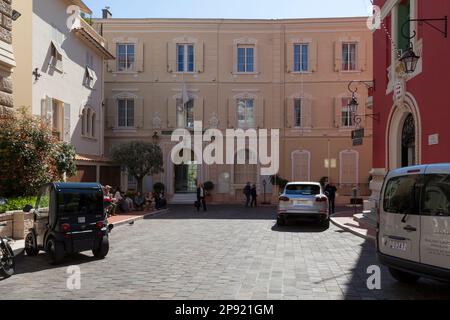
column 106, row 13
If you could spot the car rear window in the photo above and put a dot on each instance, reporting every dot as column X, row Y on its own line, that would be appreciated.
column 401, row 195
column 302, row 189
column 80, row 203
column 436, row 195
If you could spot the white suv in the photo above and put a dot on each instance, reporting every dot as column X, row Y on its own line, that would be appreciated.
column 413, row 237
column 303, row 201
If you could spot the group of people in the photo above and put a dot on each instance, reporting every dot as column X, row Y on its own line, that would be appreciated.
column 251, row 195
column 125, row 203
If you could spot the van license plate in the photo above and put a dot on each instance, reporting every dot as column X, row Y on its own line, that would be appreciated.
column 397, row 245
column 81, row 219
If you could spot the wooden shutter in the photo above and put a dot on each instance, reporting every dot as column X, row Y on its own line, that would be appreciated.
column 232, row 113
column 362, row 55
column 198, row 109
column 290, row 112
column 66, row 128
column 111, row 113
column 259, row 113
column 140, row 57
column 349, row 165
column 313, row 56
column 337, row 56
column 171, row 57
column 172, row 112
column 139, row 112
column 338, row 112
column 235, row 58
column 306, row 113
column 200, row 56
column 289, row 57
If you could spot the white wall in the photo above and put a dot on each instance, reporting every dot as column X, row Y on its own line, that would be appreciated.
column 66, row 86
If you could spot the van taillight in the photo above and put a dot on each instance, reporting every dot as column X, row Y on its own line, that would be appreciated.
column 321, row 199
column 100, row 224
column 65, row 227
column 283, row 198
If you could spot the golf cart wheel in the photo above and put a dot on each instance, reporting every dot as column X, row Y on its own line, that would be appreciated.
column 55, row 251
column 281, row 221
column 404, row 277
column 7, row 264
column 103, row 248
column 31, row 248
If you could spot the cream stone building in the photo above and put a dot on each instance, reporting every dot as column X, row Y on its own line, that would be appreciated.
column 59, row 76
column 290, row 75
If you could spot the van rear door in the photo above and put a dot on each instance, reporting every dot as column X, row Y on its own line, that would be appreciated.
column 435, row 209
column 400, row 221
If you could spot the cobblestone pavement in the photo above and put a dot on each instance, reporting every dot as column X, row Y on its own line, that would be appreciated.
column 226, row 253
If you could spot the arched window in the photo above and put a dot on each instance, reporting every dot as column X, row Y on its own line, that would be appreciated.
column 93, row 125
column 409, row 142
column 88, row 122
column 88, row 118
column 247, row 172
column 83, row 122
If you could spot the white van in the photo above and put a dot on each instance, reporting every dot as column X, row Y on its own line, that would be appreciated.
column 413, row 236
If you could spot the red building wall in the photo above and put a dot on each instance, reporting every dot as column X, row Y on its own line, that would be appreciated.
column 431, row 88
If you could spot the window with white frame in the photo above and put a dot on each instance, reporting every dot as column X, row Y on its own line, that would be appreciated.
column 125, row 108
column 347, row 114
column 246, row 58
column 126, row 56
column 245, row 113
column 185, row 58
column 297, row 112
column 301, row 52
column 88, row 126
column 185, row 114
column 349, row 56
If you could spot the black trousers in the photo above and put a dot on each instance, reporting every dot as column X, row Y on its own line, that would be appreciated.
column 332, row 205
column 201, row 203
column 253, row 203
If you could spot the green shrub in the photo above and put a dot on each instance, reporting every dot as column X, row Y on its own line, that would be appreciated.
column 14, row 204
column 159, row 187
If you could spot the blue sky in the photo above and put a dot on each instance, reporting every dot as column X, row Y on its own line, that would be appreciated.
column 250, row 9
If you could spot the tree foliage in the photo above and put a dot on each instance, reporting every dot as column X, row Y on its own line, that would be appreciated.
column 30, row 155
column 139, row 159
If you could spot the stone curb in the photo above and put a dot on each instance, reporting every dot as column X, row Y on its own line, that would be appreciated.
column 127, row 221
column 352, row 231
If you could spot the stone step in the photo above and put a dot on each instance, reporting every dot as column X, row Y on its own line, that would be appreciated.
column 183, row 198
column 363, row 219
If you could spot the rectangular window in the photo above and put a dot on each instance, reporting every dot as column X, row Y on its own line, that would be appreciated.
column 125, row 57
column 185, row 114
column 436, row 196
column 349, row 56
column 297, row 113
column 185, row 58
column 245, row 113
column 89, row 78
column 347, row 114
column 301, row 57
column 402, row 195
column 246, row 59
column 125, row 113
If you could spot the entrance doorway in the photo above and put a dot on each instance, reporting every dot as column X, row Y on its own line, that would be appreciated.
column 186, row 176
column 408, row 152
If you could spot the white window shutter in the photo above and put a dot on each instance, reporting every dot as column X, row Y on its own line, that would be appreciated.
column 235, row 58
column 111, row 113
column 172, row 112
column 306, row 112
column 232, row 113
column 198, row 109
column 112, row 64
column 301, row 166
column 171, row 57
column 200, row 56
column 338, row 112
column 139, row 112
column 337, row 56
column 289, row 57
column 47, row 111
column 313, row 56
column 362, row 55
column 290, row 112
column 140, row 57
column 67, row 124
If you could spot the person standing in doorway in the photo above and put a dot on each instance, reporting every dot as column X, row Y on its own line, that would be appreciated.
column 254, row 195
column 247, row 192
column 330, row 191
column 201, row 194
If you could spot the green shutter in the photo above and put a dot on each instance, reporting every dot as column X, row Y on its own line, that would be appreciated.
column 404, row 12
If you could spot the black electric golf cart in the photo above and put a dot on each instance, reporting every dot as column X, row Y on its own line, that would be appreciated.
column 68, row 218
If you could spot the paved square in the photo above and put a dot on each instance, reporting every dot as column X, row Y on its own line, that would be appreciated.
column 228, row 252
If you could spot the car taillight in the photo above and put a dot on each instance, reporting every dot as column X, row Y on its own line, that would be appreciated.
column 321, row 199
column 100, row 224
column 65, row 227
column 283, row 198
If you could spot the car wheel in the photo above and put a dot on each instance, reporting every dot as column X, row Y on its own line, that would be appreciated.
column 103, row 248
column 281, row 221
column 7, row 264
column 325, row 224
column 402, row 276
column 55, row 251
column 30, row 245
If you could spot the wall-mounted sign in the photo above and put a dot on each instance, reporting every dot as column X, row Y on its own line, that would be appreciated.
column 357, row 137
column 433, row 139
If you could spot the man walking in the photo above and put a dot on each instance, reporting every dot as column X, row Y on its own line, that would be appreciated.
column 247, row 192
column 254, row 195
column 201, row 197
column 330, row 191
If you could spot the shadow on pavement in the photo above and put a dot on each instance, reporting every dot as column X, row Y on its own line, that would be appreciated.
column 300, row 227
